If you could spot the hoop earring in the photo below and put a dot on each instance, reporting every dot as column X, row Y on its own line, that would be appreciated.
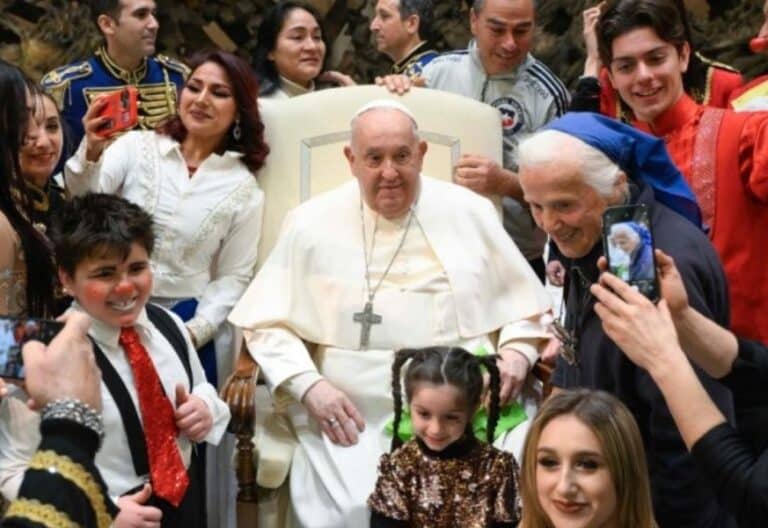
column 237, row 132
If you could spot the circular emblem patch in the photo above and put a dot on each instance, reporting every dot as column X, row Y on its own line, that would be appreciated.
column 512, row 115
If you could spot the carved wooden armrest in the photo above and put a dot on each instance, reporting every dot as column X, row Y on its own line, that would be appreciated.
column 239, row 391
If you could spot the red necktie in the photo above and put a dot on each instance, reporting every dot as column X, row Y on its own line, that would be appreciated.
column 166, row 468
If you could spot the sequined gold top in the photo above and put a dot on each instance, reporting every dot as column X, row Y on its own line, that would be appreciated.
column 469, row 484
column 13, row 271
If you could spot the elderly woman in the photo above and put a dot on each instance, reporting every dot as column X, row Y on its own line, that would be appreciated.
column 633, row 240
column 291, row 52
column 196, row 175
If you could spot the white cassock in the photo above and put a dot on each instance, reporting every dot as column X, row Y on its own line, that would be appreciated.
column 458, row 280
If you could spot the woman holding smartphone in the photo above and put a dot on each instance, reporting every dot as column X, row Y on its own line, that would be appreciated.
column 24, row 250
column 735, row 462
column 196, row 176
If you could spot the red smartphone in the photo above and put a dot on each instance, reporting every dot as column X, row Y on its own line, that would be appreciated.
column 758, row 44
column 121, row 111
column 14, row 332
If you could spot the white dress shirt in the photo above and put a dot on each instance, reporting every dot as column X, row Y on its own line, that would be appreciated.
column 19, row 426
column 207, row 226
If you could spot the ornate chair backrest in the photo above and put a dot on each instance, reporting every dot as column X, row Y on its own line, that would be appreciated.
column 307, row 134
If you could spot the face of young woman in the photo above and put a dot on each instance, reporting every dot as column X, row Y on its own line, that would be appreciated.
column 299, row 49
column 574, row 485
column 439, row 414
column 207, row 106
column 43, row 142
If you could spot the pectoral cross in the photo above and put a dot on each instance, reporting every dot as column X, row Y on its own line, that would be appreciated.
column 366, row 318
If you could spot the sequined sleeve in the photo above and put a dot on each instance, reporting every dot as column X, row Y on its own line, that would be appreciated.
column 12, row 271
column 390, row 498
column 507, row 504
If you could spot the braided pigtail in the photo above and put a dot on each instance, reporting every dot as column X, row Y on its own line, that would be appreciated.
column 495, row 388
column 397, row 393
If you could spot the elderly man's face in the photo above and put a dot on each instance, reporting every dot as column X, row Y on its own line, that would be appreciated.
column 386, row 157
column 504, row 33
column 569, row 210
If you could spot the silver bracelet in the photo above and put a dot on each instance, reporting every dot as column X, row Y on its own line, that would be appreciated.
column 74, row 411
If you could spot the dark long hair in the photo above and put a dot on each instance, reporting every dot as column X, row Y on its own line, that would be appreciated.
column 245, row 89
column 442, row 365
column 14, row 201
column 266, row 41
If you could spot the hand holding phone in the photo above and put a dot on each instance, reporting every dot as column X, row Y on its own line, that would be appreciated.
column 628, row 246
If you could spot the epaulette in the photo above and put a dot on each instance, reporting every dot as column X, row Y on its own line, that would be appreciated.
column 716, row 64
column 56, row 81
column 173, row 64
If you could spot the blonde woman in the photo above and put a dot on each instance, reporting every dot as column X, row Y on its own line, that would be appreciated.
column 584, row 465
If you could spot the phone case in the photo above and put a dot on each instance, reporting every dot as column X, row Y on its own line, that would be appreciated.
column 121, row 110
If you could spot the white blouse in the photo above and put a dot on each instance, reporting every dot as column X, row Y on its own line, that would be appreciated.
column 207, row 226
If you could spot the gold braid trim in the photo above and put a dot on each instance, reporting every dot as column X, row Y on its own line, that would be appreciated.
column 75, row 473
column 38, row 512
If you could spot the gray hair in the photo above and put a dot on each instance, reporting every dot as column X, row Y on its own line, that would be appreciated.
column 549, row 146
column 424, row 9
column 624, row 229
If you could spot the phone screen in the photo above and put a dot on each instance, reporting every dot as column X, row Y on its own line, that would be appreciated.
column 628, row 245
column 14, row 333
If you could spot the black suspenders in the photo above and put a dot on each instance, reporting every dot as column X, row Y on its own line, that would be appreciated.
column 116, row 387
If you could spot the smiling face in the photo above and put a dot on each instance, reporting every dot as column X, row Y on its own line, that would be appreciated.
column 43, row 142
column 386, row 156
column 439, row 414
column 563, row 205
column 504, row 33
column 207, row 106
column 624, row 242
column 647, row 72
column 134, row 32
column 299, row 49
column 110, row 288
column 394, row 36
column 573, row 482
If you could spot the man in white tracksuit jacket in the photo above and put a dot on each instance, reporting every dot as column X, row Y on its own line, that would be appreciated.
column 497, row 68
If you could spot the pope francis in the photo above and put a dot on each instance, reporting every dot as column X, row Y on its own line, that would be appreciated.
column 391, row 259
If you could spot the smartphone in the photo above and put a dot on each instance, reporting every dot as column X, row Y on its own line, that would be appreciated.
column 121, row 111
column 628, row 246
column 14, row 332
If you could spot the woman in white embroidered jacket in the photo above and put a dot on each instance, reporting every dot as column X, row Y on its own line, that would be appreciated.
column 196, row 175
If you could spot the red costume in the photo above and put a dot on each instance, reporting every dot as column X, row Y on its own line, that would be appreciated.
column 724, row 158
column 752, row 96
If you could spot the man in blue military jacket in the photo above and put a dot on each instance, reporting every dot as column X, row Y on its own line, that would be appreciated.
column 130, row 30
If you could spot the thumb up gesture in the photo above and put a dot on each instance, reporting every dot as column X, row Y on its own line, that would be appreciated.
column 193, row 418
